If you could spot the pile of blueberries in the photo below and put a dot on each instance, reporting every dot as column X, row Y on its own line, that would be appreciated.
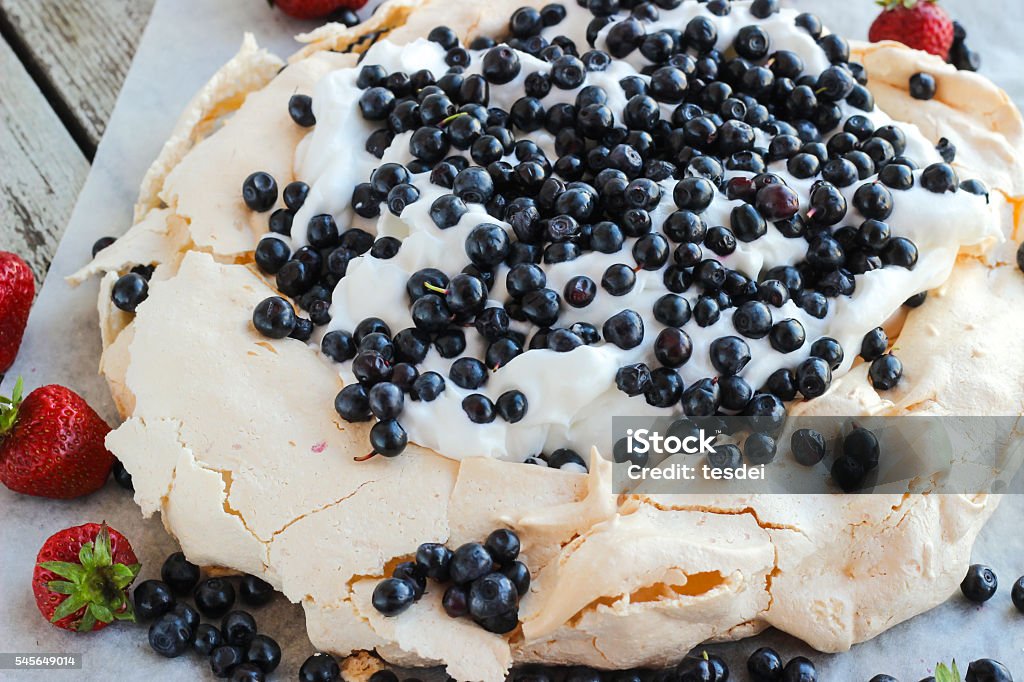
column 597, row 193
column 235, row 649
column 485, row 581
column 857, row 458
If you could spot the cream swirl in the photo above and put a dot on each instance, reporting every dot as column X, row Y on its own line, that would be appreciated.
column 572, row 396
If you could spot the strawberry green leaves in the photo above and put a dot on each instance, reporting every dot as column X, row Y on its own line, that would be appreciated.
column 95, row 585
column 9, row 407
column 945, row 674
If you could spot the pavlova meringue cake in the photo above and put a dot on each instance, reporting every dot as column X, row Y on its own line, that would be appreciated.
column 404, row 280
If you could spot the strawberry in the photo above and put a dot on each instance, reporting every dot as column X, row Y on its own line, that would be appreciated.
column 920, row 24
column 82, row 576
column 315, row 9
column 51, row 444
column 17, row 287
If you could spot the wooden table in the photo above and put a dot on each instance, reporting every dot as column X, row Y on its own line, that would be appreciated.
column 62, row 63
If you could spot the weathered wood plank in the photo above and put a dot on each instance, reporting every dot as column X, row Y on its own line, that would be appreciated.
column 43, row 168
column 79, row 52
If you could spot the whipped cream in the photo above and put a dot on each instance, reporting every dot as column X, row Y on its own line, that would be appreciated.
column 577, row 413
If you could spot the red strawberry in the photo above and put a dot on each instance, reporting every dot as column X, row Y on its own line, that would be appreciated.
column 920, row 24
column 315, row 9
column 17, row 287
column 51, row 444
column 82, row 576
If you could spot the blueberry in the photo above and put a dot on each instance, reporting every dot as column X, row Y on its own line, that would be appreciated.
column 427, row 387
column 214, row 597
column 487, row 245
column 633, row 379
column 129, row 291
column 274, row 317
column 392, row 596
column 259, row 191
column 874, row 201
column 238, row 628
column 491, row 596
column 225, row 658
column 848, row 474
column 469, row 562
column 102, row 243
column 729, row 354
column 753, row 320
column 752, row 43
column 980, row 583
column 885, row 372
column 455, row 601
column 436, row 559
column 673, row 347
column 353, row 403
column 478, row 408
column 568, row 72
column 503, row 545
column 765, row 665
column 153, row 598
column 300, row 108
column 473, row 185
column 206, row 639
column 565, row 458
column 388, row 438
column 385, row 400
column 727, row 456
column 762, row 9
column 900, row 252
column 940, row 178
column 987, row 670
column 862, row 445
column 170, row 635
column 808, row 446
column 1017, row 594
column 500, row 65
column 255, row 591
column 179, row 573
column 294, row 194
column 672, row 310
column 271, row 254
column 759, row 448
column 121, row 475
column 376, row 103
column 541, row 307
column 922, row 86
column 512, row 406
column 618, row 280
column 813, row 377
column 189, row 614
column 625, row 329
column 519, row 574
column 800, row 669
column 264, row 653
column 787, row 336
column 320, row 667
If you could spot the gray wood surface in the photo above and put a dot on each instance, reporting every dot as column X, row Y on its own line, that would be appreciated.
column 62, row 63
column 79, row 51
column 43, row 168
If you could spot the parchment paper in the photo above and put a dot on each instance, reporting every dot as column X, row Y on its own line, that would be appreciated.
column 185, row 42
